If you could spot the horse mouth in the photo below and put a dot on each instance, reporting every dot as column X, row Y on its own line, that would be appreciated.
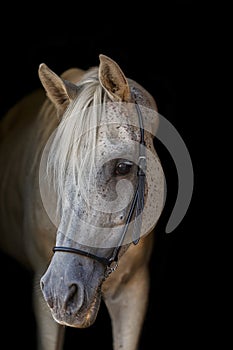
column 83, row 318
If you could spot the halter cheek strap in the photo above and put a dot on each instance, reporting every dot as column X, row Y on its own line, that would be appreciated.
column 137, row 206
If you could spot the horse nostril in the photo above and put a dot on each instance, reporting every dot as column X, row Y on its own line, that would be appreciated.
column 74, row 297
column 72, row 294
column 41, row 285
column 73, row 290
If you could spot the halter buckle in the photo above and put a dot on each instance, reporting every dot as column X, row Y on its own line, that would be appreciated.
column 142, row 166
column 112, row 266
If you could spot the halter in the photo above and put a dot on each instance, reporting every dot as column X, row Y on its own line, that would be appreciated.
column 137, row 206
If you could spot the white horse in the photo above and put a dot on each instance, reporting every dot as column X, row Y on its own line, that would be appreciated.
column 81, row 190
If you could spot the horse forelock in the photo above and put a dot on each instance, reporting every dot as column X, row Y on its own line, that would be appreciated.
column 75, row 138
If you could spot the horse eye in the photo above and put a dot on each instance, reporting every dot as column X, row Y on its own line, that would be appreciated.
column 123, row 168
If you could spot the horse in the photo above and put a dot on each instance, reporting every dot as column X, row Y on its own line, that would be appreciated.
column 81, row 191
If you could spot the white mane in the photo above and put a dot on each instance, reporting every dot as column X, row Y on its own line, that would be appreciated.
column 74, row 141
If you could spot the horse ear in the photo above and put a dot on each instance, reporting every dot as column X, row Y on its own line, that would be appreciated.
column 60, row 91
column 113, row 80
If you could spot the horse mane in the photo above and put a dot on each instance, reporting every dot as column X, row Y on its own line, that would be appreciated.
column 73, row 143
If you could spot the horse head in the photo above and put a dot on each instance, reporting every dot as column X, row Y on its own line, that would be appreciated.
column 93, row 180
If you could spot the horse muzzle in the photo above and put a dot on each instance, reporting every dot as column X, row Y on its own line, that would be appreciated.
column 71, row 287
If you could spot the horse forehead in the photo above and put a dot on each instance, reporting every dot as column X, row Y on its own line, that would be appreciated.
column 120, row 123
column 117, row 134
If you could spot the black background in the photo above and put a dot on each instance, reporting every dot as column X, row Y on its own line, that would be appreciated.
column 161, row 47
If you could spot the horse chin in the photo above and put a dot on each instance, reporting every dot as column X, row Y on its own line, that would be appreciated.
column 84, row 318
